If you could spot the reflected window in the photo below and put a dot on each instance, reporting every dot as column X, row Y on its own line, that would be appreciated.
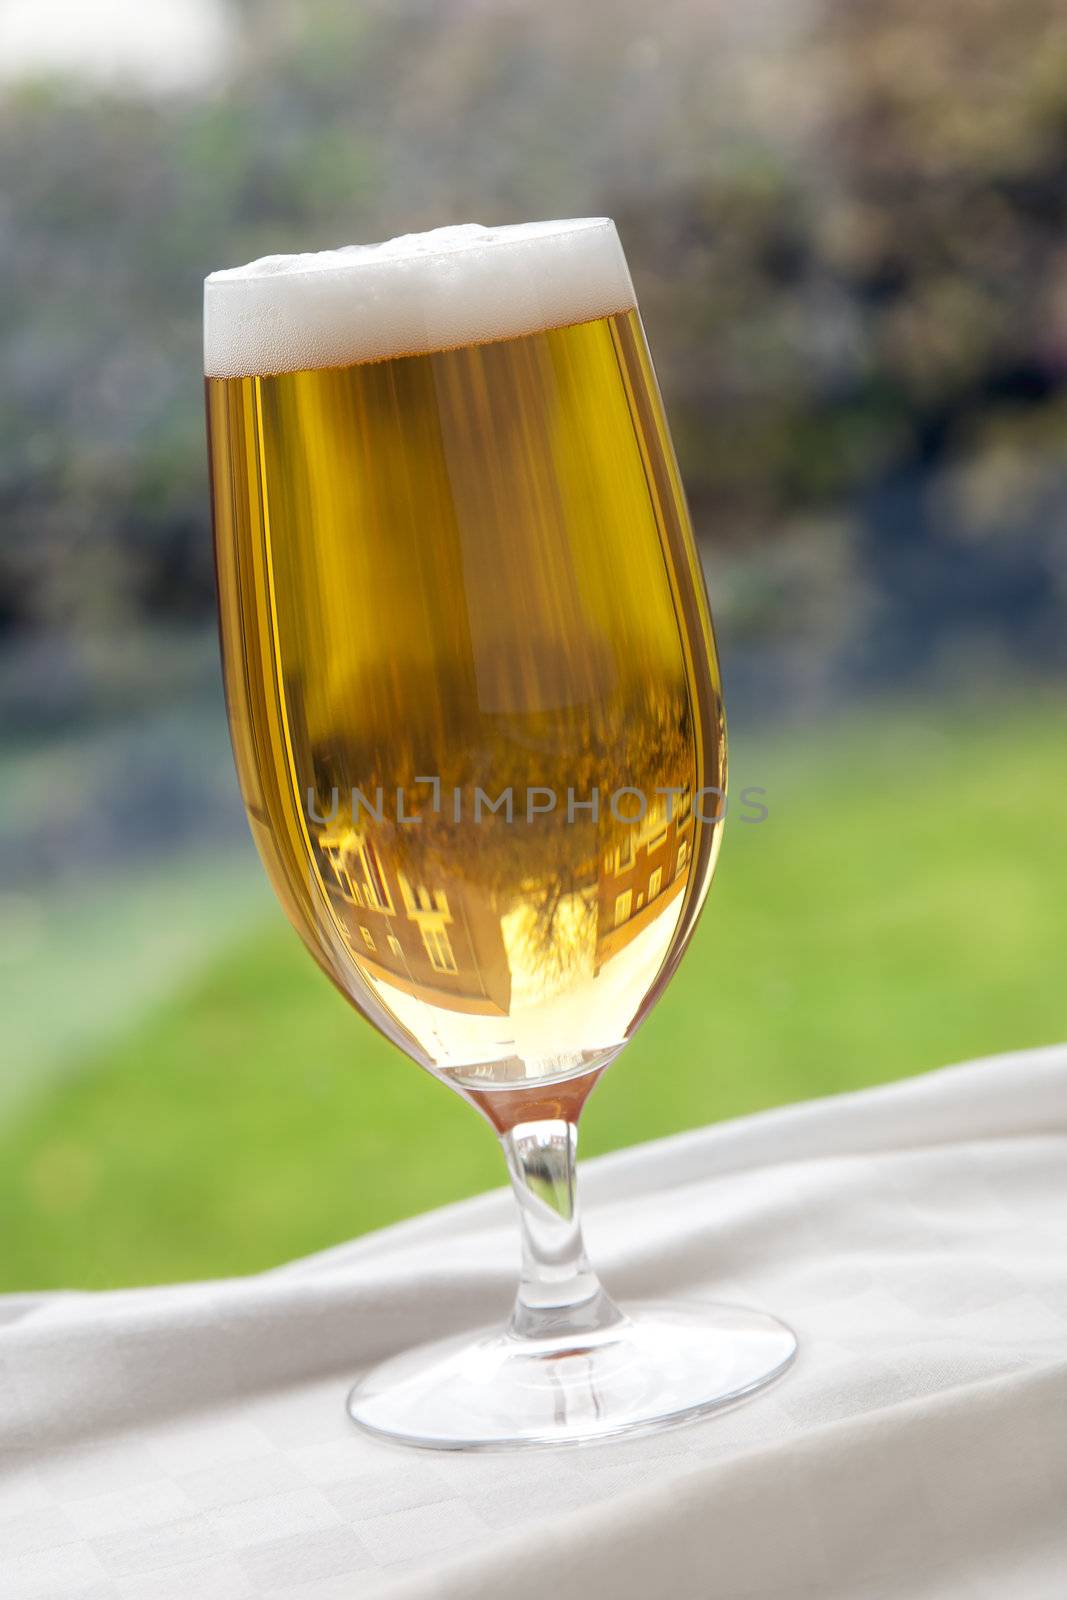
column 375, row 889
column 345, row 882
column 439, row 949
column 683, row 856
column 394, row 945
column 368, row 938
column 622, row 908
column 655, row 882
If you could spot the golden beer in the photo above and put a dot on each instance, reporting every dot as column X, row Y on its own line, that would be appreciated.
column 465, row 642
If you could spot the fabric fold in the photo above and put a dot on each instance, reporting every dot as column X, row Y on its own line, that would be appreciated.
column 959, row 1494
column 193, row 1439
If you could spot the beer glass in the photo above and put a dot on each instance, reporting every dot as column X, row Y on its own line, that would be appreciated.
column 477, row 721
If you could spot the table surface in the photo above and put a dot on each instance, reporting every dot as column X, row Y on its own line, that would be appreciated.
column 192, row 1441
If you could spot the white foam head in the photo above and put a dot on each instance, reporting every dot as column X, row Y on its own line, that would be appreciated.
column 423, row 292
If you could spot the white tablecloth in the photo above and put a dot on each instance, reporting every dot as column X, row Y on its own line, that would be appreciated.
column 191, row 1442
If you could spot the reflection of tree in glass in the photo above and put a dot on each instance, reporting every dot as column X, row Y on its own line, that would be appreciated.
column 526, row 839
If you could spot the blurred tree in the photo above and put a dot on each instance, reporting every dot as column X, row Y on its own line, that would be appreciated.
column 846, row 221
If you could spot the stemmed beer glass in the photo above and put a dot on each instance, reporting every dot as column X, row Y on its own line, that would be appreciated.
column 477, row 721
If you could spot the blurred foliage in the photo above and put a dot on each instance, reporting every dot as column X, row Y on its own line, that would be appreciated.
column 846, row 222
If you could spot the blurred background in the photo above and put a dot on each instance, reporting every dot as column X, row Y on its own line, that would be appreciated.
column 847, row 223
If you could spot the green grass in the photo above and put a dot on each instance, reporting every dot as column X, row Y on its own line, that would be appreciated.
column 903, row 907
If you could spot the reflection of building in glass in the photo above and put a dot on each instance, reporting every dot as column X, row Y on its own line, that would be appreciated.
column 642, row 874
column 442, row 944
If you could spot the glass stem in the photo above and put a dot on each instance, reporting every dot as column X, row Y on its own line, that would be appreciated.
column 559, row 1293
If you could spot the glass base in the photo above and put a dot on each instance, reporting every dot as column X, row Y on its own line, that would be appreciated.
column 659, row 1365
